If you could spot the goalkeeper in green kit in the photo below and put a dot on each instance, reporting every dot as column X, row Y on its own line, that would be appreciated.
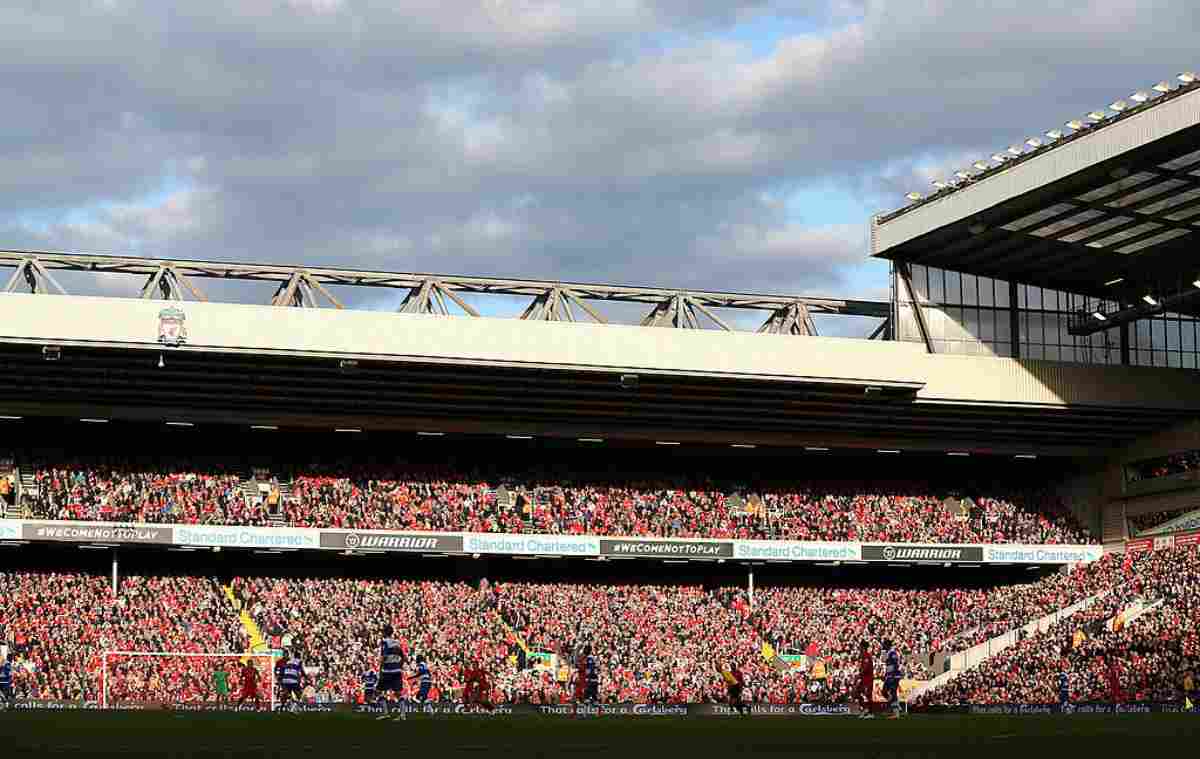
column 220, row 682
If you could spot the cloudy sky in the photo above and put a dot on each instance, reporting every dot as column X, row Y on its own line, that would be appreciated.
column 691, row 143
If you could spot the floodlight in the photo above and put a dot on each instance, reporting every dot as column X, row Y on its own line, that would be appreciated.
column 1033, row 142
column 963, row 175
column 1055, row 134
column 1196, row 282
column 1099, row 316
column 981, row 165
column 1075, row 124
column 1096, row 116
column 1140, row 96
column 1118, row 106
column 940, row 184
column 1150, row 301
column 1112, row 282
column 1014, row 150
column 1187, row 77
column 999, row 157
column 914, row 196
column 1163, row 87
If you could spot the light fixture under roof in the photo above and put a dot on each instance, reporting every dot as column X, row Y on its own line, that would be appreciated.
column 1096, row 116
column 914, row 196
column 519, row 437
column 180, row 424
column 348, row 429
column 1099, row 316
column 1033, row 142
column 9, row 418
column 1014, row 150
column 430, row 434
column 1076, row 124
column 887, row 450
column 940, row 184
column 1150, row 301
column 815, row 448
column 590, row 439
column 963, row 175
column 1118, row 106
column 1116, row 281
column 1163, row 87
column 1025, row 456
column 1140, row 96
column 742, row 445
column 666, row 442
column 1187, row 77
column 958, row 453
column 1196, row 282
column 1055, row 134
column 999, row 157
column 981, row 165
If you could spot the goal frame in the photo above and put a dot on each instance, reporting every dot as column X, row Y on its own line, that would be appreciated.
column 188, row 655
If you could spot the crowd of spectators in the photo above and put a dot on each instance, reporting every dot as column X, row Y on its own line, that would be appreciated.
column 1143, row 522
column 1104, row 656
column 1164, row 466
column 654, row 643
column 59, row 624
column 425, row 497
column 123, row 492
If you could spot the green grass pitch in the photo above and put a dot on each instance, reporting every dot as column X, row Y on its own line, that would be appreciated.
column 345, row 736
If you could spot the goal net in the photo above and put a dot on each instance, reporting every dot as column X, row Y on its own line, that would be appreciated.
column 167, row 679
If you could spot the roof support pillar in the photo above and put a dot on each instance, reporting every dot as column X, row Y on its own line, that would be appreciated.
column 1014, row 320
column 36, row 276
column 906, row 275
column 1125, row 344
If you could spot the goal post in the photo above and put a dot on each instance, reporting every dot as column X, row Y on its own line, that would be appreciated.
column 186, row 676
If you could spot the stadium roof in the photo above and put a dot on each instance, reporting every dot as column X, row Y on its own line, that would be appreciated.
column 1106, row 207
column 73, row 356
column 310, row 287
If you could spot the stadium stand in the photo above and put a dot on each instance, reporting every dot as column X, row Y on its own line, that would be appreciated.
column 1150, row 654
column 657, row 643
column 440, row 497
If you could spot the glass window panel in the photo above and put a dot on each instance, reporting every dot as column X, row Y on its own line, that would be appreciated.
column 970, row 289
column 1173, row 327
column 1032, row 329
column 1174, row 360
column 1001, row 290
column 971, row 322
column 1002, row 331
column 1036, row 351
column 1035, row 298
column 987, row 324
column 953, row 287
column 937, row 289
column 920, row 281
column 986, row 286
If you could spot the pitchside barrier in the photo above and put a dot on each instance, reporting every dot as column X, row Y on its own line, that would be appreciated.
column 469, row 543
column 503, row 711
column 1137, row 707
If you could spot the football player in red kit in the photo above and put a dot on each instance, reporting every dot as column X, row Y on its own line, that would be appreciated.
column 866, row 679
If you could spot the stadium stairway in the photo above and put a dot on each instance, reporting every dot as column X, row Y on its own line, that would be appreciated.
column 258, row 643
column 26, row 487
column 968, row 660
